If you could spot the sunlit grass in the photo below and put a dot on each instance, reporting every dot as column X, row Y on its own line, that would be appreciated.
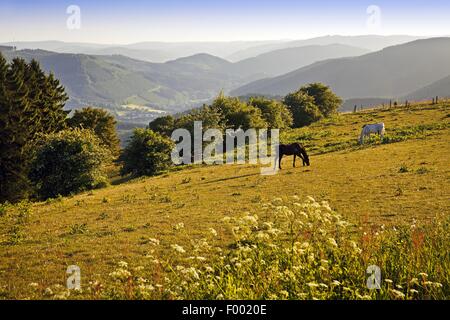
column 138, row 221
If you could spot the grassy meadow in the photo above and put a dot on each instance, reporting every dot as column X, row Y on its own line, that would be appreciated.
column 210, row 232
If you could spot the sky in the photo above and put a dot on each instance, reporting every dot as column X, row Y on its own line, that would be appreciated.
column 124, row 22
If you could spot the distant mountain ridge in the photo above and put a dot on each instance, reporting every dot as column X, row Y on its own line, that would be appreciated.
column 157, row 52
column 368, row 42
column 137, row 90
column 392, row 72
column 440, row 88
column 113, row 81
column 233, row 51
column 282, row 61
column 176, row 85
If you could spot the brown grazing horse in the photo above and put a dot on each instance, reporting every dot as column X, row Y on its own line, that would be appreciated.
column 295, row 149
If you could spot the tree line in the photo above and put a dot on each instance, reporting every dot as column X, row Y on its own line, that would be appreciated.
column 308, row 104
column 45, row 153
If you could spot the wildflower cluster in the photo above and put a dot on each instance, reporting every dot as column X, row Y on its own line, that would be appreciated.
column 295, row 250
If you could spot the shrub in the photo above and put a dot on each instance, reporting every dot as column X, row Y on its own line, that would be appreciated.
column 422, row 170
column 163, row 125
column 66, row 162
column 275, row 113
column 211, row 119
column 147, row 153
column 403, row 168
column 101, row 122
column 325, row 99
column 237, row 114
column 304, row 111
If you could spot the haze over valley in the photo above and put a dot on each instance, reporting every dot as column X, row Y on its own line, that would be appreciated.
column 141, row 81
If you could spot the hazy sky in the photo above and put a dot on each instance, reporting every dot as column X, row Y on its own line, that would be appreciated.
column 131, row 21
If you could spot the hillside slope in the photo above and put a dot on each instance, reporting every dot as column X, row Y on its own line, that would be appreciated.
column 282, row 61
column 390, row 184
column 383, row 74
column 440, row 88
column 112, row 81
column 368, row 42
column 151, row 51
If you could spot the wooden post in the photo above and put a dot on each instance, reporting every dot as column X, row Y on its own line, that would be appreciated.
column 354, row 109
column 437, row 99
column 390, row 103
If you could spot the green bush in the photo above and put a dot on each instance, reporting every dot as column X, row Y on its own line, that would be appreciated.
column 68, row 162
column 304, row 111
column 237, row 114
column 147, row 153
column 101, row 122
column 163, row 125
column 275, row 113
column 325, row 99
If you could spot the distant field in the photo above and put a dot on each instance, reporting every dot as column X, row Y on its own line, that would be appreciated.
column 402, row 180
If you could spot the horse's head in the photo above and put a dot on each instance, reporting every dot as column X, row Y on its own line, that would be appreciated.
column 304, row 155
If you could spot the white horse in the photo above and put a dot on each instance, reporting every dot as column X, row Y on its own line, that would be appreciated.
column 367, row 129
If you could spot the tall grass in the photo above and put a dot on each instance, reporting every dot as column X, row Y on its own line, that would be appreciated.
column 293, row 250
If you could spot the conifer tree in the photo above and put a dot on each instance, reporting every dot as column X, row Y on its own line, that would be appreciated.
column 14, row 133
column 31, row 103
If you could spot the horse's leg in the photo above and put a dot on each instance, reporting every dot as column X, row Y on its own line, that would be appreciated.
column 279, row 160
column 294, row 160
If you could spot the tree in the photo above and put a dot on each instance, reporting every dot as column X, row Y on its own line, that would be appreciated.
column 15, row 129
column 67, row 162
column 31, row 104
column 163, row 125
column 275, row 113
column 147, row 153
column 237, row 114
column 210, row 118
column 304, row 111
column 101, row 122
column 325, row 99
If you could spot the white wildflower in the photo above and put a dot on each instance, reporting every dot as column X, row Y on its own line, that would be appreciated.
column 332, row 242
column 397, row 294
column 153, row 241
column 178, row 226
column 178, row 248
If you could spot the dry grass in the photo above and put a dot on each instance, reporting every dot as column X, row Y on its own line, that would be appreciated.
column 365, row 184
